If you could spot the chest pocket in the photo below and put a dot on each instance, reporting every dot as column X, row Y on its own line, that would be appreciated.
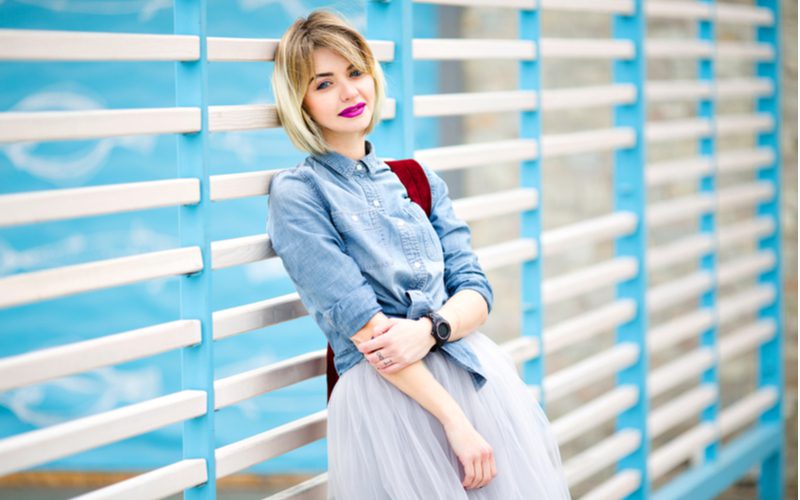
column 363, row 236
column 427, row 234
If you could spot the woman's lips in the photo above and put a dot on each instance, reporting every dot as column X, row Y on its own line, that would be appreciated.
column 353, row 110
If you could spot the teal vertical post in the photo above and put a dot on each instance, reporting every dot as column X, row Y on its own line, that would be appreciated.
column 197, row 362
column 393, row 21
column 630, row 195
column 530, row 127
column 708, row 226
column 770, row 354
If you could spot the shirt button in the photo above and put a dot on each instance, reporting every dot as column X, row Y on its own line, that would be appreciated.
column 400, row 223
column 358, row 167
column 376, row 203
column 417, row 264
column 355, row 217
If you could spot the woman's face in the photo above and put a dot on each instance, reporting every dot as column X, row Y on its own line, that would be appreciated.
column 336, row 87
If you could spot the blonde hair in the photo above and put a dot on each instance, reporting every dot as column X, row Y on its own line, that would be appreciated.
column 294, row 68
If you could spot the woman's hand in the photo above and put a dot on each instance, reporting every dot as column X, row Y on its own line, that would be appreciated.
column 403, row 341
column 474, row 453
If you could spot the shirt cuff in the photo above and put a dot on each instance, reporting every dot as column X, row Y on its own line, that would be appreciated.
column 481, row 288
column 351, row 313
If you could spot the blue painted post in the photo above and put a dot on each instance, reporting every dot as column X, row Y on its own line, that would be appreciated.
column 770, row 355
column 708, row 225
column 393, row 21
column 197, row 362
column 630, row 195
column 530, row 225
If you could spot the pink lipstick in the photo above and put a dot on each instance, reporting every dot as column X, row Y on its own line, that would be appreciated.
column 353, row 111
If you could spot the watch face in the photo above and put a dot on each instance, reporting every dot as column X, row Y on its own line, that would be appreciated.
column 443, row 330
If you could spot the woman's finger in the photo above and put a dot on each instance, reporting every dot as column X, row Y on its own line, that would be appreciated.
column 469, row 474
column 478, row 473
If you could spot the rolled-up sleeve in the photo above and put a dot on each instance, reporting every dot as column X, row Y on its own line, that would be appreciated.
column 327, row 279
column 461, row 267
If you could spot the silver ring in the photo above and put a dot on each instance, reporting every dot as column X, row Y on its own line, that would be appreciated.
column 380, row 356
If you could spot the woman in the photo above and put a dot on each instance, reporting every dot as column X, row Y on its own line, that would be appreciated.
column 410, row 417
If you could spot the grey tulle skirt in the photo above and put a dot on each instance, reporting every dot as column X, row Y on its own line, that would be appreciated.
column 383, row 445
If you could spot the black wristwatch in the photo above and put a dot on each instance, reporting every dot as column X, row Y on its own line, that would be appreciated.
column 440, row 330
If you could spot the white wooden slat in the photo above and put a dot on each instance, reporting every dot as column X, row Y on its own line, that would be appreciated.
column 745, row 195
column 315, row 488
column 229, row 118
column 242, row 386
column 586, row 325
column 589, row 231
column 745, row 51
column 656, row 48
column 747, row 410
column 743, row 87
column 745, row 267
column 159, row 483
column 242, row 454
column 34, row 286
column 467, row 103
column 743, row 14
column 588, row 96
column 588, row 371
column 665, row 172
column 51, row 45
column 54, row 362
column 521, row 349
column 678, row 291
column 44, row 445
column 677, row 90
column 744, row 231
column 230, row 49
column 746, row 123
column 587, row 48
column 453, row 49
column 591, row 414
column 679, row 449
column 588, row 279
column 506, row 253
column 242, row 250
column 473, row 155
column 601, row 455
column 600, row 6
column 744, row 160
column 617, row 487
column 677, row 9
column 554, row 145
column 241, row 185
column 685, row 407
column 674, row 373
column 679, row 329
column 670, row 130
column 512, row 201
column 746, row 339
column 505, row 4
column 248, row 317
column 731, row 308
column 677, row 210
column 58, row 204
column 96, row 123
column 678, row 251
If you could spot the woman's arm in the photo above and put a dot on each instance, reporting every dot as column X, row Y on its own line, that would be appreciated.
column 465, row 311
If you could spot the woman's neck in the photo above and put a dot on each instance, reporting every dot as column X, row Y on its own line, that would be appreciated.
column 353, row 148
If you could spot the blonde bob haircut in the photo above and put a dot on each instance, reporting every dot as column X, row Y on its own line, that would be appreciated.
column 294, row 69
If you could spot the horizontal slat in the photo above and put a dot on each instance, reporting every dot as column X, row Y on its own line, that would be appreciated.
column 242, row 386
column 677, row 90
column 473, row 155
column 241, row 185
column 315, row 488
column 46, row 364
column 159, row 483
column 242, row 454
column 678, row 251
column 591, row 414
column 679, row 449
column 222, row 49
column 96, row 123
column 747, row 410
column 744, row 160
column 745, row 195
column 249, row 317
column 744, row 231
column 678, row 291
column 678, row 329
column 505, row 4
column 677, row 210
column 243, row 250
column 34, row 286
column 674, row 373
column 600, row 6
column 51, row 45
column 665, row 172
column 745, row 267
column 721, row 12
column 59, row 204
column 586, row 325
column 442, row 49
column 588, row 279
column 746, row 339
column 588, row 96
column 513, row 201
column 744, row 123
column 467, row 103
column 617, row 487
column 587, row 48
column 601, row 455
column 44, row 445
column 744, row 87
column 745, row 51
column 731, row 308
column 506, row 253
column 657, row 48
column 595, row 230
column 521, row 349
column 743, row 14
column 670, row 130
column 681, row 409
column 554, row 145
column 588, row 371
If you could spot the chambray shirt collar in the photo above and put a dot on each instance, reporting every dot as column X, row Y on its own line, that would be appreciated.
column 346, row 166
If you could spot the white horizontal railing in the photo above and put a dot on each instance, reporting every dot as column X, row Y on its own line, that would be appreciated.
column 159, row 483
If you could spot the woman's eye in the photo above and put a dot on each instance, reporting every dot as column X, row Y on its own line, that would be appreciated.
column 320, row 86
column 356, row 71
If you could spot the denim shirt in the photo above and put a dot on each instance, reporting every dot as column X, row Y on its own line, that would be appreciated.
column 354, row 244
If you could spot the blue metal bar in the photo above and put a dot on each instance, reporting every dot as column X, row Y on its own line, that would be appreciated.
column 393, row 21
column 530, row 127
column 630, row 195
column 197, row 362
column 708, row 225
column 770, row 354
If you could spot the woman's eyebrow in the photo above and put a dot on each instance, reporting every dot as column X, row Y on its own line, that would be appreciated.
column 327, row 74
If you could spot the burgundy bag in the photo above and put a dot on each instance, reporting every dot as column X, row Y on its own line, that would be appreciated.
column 419, row 190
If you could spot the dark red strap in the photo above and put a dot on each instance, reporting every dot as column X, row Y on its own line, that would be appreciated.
column 416, row 183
